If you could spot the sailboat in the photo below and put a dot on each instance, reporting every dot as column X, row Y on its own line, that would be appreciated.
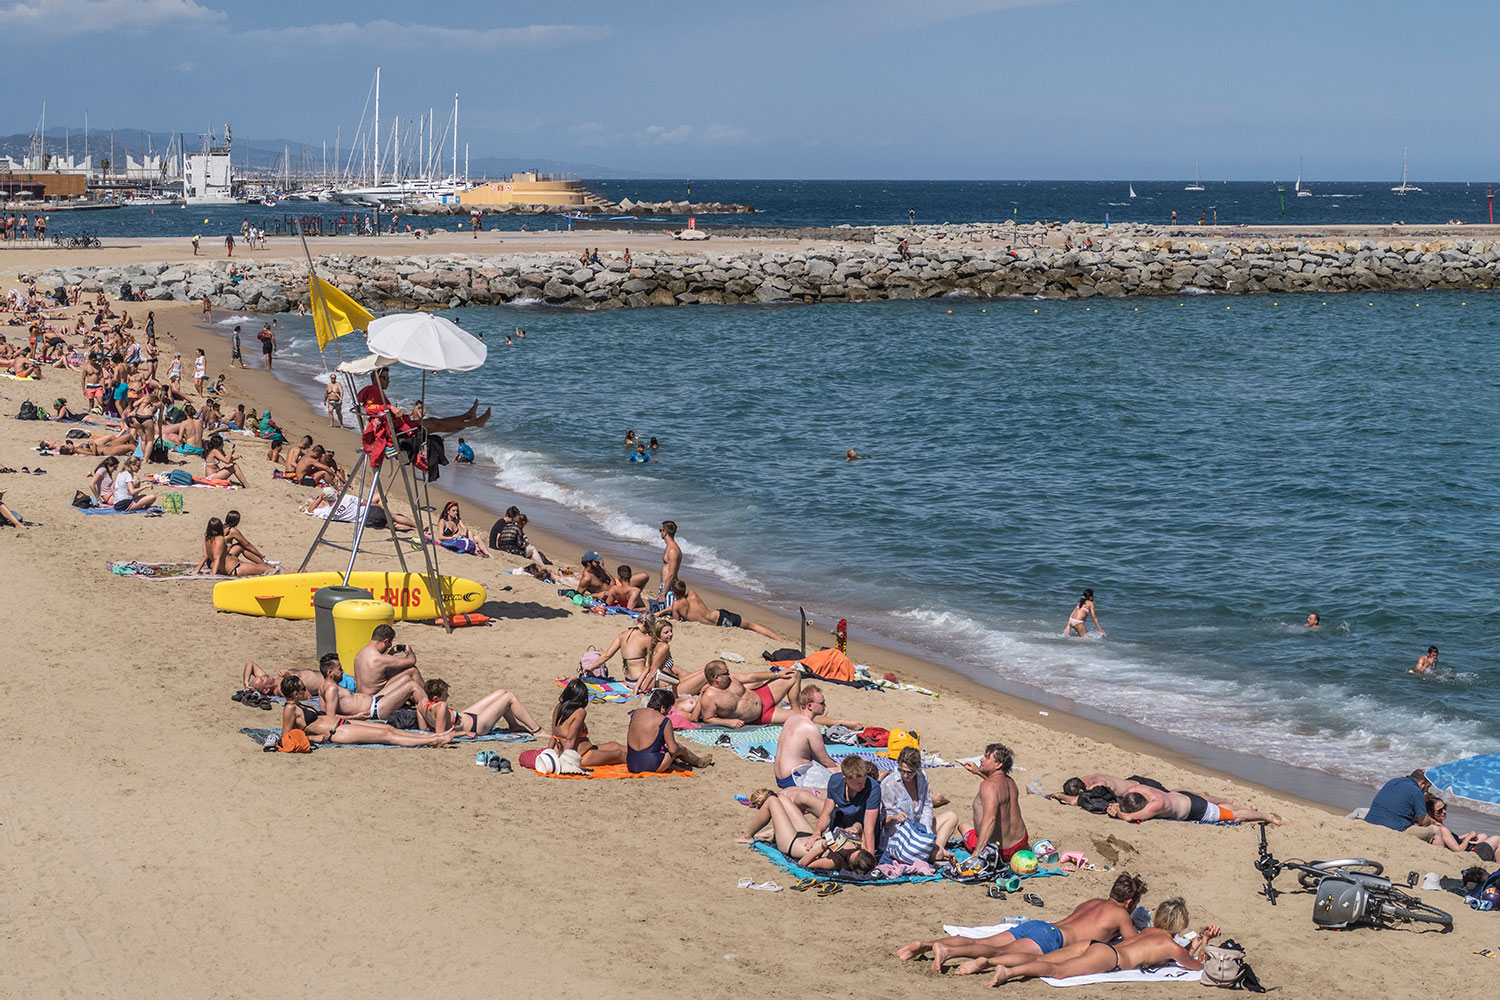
column 1298, row 186
column 1405, row 187
column 1197, row 185
column 1132, row 188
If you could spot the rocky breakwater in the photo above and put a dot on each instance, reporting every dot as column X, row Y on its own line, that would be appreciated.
column 946, row 260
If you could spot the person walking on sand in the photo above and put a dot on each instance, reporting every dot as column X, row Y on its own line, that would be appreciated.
column 208, row 309
column 267, row 339
column 333, row 398
column 229, row 244
column 1083, row 610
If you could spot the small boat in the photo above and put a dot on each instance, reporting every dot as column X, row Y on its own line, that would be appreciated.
column 1404, row 188
column 1298, row 186
column 1132, row 189
column 1197, row 185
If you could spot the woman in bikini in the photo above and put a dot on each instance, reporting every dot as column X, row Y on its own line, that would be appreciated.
column 451, row 525
column 650, row 742
column 239, row 545
column 792, row 834
column 570, row 728
column 476, row 720
column 217, row 558
column 322, row 728
column 1083, row 610
column 632, row 644
column 1156, row 945
column 661, row 671
column 220, row 465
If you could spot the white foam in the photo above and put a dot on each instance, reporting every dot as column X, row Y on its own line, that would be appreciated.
column 1318, row 726
column 521, row 472
column 232, row 320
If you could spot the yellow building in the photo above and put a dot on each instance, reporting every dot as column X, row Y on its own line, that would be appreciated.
column 526, row 189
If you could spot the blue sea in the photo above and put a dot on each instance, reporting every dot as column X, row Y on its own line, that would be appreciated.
column 864, row 203
column 1213, row 468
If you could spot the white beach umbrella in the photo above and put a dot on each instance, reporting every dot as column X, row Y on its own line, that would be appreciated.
column 422, row 340
column 366, row 364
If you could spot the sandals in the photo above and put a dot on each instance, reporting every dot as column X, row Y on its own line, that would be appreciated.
column 1032, row 898
column 825, row 887
column 804, row 884
column 829, row 889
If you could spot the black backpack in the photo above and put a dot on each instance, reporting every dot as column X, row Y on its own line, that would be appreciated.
column 28, row 411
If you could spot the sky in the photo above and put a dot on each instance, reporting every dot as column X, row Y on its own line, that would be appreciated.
column 920, row 89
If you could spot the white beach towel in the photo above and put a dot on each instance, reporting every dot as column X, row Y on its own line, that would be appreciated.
column 1166, row 974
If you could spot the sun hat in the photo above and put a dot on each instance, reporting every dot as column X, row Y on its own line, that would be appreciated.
column 591, row 556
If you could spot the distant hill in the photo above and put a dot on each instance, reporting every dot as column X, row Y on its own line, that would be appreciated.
column 252, row 155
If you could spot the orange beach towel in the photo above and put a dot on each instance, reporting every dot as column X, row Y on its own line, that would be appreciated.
column 828, row 663
column 618, row 771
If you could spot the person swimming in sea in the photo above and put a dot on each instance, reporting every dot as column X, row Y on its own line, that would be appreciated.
column 1082, row 611
column 852, row 456
column 1425, row 664
column 1313, row 621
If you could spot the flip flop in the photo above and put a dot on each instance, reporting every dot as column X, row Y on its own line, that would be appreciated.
column 804, row 884
column 501, row 764
column 1032, row 898
column 995, row 892
column 829, row 889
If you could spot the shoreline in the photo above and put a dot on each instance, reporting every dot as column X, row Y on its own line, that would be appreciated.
column 474, row 486
column 127, row 839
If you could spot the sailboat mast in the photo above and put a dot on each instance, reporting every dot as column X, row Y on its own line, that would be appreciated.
column 377, row 125
column 455, row 137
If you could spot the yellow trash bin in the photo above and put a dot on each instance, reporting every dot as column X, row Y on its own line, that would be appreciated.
column 353, row 621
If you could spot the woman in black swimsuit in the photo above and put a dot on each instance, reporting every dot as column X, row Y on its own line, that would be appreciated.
column 333, row 729
column 650, row 742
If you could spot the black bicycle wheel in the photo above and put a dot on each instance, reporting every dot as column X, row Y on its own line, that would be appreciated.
column 1359, row 866
column 1410, row 909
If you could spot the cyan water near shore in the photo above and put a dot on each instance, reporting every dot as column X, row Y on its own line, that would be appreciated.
column 1212, row 473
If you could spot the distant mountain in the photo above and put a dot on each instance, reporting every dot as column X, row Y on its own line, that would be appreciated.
column 255, row 155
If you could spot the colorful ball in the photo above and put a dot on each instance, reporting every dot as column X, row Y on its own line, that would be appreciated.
column 1023, row 862
column 1492, row 894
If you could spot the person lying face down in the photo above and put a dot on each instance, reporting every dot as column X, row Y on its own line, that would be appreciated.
column 1142, row 802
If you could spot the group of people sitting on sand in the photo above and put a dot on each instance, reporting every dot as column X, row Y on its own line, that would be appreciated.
column 1411, row 804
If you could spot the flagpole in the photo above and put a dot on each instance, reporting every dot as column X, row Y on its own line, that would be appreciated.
column 316, row 294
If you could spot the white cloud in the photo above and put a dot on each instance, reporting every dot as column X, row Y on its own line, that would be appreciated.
column 391, row 33
column 660, row 135
column 187, row 67
column 78, row 17
column 725, row 135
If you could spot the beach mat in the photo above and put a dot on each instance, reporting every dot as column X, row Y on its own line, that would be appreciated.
column 742, row 741
column 615, row 692
column 1163, row 974
column 493, row 736
column 791, row 867
column 616, row 771
column 110, row 510
column 167, row 571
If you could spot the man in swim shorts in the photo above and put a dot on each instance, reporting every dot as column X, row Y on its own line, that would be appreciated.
column 801, row 743
column 687, row 606
column 1091, row 920
column 382, row 664
column 1143, row 802
column 340, row 701
column 736, row 700
column 997, row 807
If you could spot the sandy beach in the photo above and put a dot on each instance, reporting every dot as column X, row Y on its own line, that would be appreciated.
column 153, row 849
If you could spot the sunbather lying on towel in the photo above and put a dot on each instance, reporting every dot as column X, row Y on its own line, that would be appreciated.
column 337, row 729
column 1151, row 947
column 737, row 699
column 1143, row 802
column 689, row 607
column 1092, row 920
column 793, row 836
column 1074, row 787
column 476, row 720
column 339, row 700
column 257, row 679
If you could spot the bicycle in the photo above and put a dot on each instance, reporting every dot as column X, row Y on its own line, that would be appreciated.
column 84, row 241
column 1350, row 891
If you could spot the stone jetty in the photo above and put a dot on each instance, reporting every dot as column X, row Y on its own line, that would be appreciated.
column 836, row 265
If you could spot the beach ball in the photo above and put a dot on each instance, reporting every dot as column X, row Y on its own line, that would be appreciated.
column 546, row 762
column 1492, row 894
column 1023, row 862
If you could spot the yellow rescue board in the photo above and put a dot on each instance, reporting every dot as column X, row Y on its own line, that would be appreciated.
column 291, row 595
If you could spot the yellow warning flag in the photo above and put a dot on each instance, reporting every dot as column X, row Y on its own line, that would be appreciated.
column 334, row 313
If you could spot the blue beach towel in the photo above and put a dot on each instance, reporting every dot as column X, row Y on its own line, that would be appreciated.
column 742, row 741
column 493, row 736
column 789, row 866
column 111, row 510
column 1476, row 778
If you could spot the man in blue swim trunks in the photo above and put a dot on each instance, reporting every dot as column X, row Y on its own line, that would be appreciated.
column 1093, row 920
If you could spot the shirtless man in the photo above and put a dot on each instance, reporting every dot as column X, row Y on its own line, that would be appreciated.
column 339, row 700
column 1091, row 920
column 1142, row 802
column 256, row 679
column 592, row 578
column 1074, row 787
column 689, row 607
column 737, row 699
column 311, row 467
column 801, row 741
column 1154, row 946
column 382, row 664
column 621, row 594
column 997, row 807
column 671, row 558
column 295, row 452
column 1425, row 663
